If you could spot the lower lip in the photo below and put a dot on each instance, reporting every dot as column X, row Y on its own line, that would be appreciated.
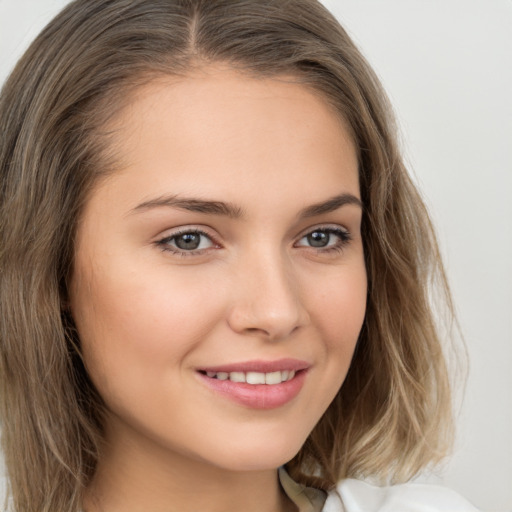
column 258, row 396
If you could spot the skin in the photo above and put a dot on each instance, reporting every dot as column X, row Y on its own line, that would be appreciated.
column 255, row 289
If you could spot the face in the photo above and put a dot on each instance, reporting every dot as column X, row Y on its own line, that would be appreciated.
column 226, row 248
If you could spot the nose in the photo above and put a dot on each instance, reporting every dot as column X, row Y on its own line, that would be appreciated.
column 267, row 299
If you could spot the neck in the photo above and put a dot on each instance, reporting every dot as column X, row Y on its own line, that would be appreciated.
column 136, row 477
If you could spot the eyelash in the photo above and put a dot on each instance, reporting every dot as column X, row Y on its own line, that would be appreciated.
column 344, row 238
column 164, row 243
column 343, row 235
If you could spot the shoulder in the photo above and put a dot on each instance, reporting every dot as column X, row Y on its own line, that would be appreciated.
column 359, row 496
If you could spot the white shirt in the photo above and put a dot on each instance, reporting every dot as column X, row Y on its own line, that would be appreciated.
column 359, row 496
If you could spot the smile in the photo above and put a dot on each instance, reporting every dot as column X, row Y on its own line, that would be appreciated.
column 257, row 384
column 254, row 378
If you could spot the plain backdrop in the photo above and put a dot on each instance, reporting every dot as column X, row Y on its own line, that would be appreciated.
column 447, row 66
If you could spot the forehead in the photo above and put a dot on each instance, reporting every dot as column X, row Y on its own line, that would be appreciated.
column 216, row 97
column 223, row 134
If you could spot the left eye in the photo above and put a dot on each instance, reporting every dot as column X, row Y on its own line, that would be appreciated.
column 187, row 241
column 324, row 238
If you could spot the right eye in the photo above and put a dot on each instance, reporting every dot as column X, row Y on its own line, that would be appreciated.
column 188, row 241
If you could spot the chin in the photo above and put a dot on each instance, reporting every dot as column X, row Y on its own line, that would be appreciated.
column 260, row 457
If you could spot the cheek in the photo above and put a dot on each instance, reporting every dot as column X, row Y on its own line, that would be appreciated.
column 341, row 305
column 338, row 311
column 132, row 323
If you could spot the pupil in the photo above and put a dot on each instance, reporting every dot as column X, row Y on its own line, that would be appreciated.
column 318, row 239
column 188, row 241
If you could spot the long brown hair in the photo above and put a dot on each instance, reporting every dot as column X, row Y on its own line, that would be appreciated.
column 392, row 415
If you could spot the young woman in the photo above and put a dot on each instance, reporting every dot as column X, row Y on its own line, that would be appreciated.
column 215, row 269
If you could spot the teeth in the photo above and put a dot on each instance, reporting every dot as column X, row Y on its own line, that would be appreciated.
column 237, row 376
column 273, row 378
column 254, row 377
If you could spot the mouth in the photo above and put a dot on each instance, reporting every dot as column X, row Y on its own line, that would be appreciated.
column 253, row 378
column 257, row 384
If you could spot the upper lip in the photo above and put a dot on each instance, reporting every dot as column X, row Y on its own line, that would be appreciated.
column 259, row 366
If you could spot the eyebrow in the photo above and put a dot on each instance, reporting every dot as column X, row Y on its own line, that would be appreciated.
column 330, row 205
column 235, row 212
column 192, row 205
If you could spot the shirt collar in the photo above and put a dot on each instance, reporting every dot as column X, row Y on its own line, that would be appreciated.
column 307, row 499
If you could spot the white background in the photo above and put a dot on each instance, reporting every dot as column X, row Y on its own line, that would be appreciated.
column 447, row 66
